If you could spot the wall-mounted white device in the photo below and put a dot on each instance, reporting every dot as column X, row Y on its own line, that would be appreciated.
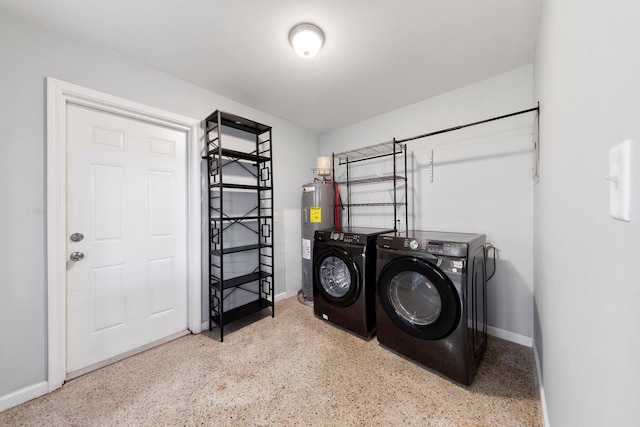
column 619, row 181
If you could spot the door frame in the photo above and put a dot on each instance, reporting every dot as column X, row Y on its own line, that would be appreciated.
column 59, row 94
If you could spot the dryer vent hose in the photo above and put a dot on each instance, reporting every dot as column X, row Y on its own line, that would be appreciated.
column 487, row 248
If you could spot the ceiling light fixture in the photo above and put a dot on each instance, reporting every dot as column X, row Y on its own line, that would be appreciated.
column 306, row 39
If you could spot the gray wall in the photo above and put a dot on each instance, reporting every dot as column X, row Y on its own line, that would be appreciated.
column 587, row 287
column 30, row 53
column 482, row 180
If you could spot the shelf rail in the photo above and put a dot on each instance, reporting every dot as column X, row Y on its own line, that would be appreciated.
column 384, row 149
column 438, row 132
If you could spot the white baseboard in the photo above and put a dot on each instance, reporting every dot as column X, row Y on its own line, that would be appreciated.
column 543, row 399
column 510, row 336
column 23, row 395
column 528, row 342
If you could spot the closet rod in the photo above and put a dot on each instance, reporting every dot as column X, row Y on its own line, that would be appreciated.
column 399, row 141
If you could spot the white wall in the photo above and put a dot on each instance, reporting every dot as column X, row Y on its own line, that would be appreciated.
column 587, row 79
column 29, row 54
column 482, row 179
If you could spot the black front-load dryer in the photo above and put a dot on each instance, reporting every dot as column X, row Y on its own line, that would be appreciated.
column 431, row 299
column 344, row 264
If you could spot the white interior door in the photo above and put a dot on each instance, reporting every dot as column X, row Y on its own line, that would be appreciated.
column 126, row 194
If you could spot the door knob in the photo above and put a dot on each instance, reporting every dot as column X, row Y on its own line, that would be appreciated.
column 76, row 237
column 76, row 256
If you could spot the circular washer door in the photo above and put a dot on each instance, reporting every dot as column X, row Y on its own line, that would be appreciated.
column 419, row 298
column 336, row 276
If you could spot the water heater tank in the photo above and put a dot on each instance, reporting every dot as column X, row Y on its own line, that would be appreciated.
column 318, row 207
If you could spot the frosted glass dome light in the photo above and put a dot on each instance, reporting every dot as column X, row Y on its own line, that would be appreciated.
column 306, row 39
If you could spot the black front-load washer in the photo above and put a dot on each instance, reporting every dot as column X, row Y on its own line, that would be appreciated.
column 431, row 299
column 344, row 264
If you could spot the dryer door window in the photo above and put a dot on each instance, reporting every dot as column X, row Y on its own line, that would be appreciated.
column 415, row 298
column 336, row 276
column 419, row 298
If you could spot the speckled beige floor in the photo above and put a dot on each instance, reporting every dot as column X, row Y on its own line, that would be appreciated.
column 293, row 369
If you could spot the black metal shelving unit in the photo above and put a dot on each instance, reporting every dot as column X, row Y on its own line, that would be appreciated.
column 244, row 174
column 397, row 177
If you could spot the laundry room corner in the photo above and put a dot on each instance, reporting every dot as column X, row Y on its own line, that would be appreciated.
column 474, row 180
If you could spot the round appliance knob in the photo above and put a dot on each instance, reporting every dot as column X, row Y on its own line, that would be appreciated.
column 414, row 244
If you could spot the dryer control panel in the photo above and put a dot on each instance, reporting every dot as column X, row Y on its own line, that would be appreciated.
column 447, row 249
column 450, row 249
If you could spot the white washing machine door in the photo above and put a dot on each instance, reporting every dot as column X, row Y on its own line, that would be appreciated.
column 419, row 298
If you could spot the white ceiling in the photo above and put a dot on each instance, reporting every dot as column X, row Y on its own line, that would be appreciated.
column 379, row 55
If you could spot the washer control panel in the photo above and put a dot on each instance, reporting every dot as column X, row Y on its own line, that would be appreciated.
column 340, row 236
column 354, row 235
column 348, row 237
